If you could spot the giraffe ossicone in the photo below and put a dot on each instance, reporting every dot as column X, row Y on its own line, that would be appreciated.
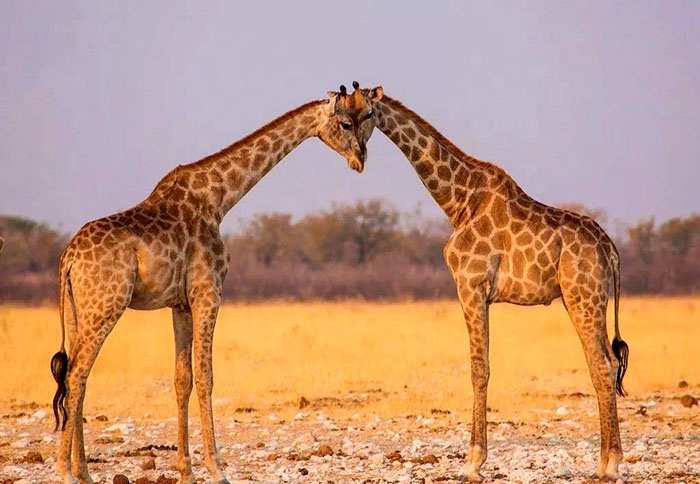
column 508, row 247
column 167, row 252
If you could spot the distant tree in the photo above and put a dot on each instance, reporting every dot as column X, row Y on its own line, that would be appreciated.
column 373, row 226
column 270, row 236
column 679, row 236
column 29, row 246
column 323, row 238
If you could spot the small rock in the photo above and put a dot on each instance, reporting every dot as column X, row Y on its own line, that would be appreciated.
column 33, row 457
column 429, row 459
column 394, row 456
column 109, row 440
column 166, row 480
column 20, row 444
column 323, row 451
column 40, row 414
column 377, row 459
column 682, row 384
column 124, row 428
column 303, row 471
column 120, row 479
column 149, row 464
column 642, row 410
column 296, row 457
column 562, row 410
column 633, row 458
column 272, row 456
column 688, row 401
column 304, row 440
column 142, row 480
column 304, row 402
column 101, row 418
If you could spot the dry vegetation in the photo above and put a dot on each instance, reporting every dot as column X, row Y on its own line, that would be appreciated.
column 339, row 355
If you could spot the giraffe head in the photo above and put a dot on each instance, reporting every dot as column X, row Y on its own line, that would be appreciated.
column 348, row 123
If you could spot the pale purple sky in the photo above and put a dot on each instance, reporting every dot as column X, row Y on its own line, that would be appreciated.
column 591, row 102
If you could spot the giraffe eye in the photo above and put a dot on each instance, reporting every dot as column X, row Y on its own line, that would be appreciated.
column 368, row 116
column 346, row 125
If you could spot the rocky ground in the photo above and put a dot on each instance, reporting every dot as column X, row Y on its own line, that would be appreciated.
column 661, row 437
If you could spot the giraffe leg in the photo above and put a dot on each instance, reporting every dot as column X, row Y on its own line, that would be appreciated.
column 204, row 311
column 79, row 459
column 84, row 357
column 182, row 324
column 589, row 321
column 476, row 316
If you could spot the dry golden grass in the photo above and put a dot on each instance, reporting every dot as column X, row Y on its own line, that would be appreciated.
column 268, row 355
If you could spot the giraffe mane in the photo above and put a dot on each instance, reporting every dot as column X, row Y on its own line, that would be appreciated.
column 440, row 138
column 262, row 130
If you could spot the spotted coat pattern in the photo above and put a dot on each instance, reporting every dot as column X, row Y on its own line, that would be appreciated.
column 507, row 247
column 167, row 252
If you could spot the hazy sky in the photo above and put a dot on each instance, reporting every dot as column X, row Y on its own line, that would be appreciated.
column 592, row 102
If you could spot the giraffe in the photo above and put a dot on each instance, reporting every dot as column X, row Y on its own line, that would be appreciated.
column 508, row 247
column 166, row 252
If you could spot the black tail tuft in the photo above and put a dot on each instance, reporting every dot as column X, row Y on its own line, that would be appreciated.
column 59, row 369
column 621, row 351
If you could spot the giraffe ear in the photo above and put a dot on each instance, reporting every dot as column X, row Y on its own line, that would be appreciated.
column 375, row 94
column 332, row 94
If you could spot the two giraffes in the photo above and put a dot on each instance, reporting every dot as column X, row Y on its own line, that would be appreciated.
column 167, row 252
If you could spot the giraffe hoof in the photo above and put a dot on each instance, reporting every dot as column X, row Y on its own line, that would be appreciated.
column 616, row 478
column 610, row 477
column 470, row 474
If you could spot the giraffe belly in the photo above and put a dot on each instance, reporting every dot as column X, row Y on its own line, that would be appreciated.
column 147, row 299
column 159, row 283
column 535, row 286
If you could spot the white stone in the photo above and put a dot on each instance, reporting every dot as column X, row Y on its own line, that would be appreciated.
column 376, row 459
column 20, row 444
column 14, row 471
column 124, row 428
column 306, row 439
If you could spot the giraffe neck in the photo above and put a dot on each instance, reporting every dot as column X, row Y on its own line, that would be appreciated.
column 455, row 180
column 216, row 183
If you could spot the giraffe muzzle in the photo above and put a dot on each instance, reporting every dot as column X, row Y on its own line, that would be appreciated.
column 357, row 164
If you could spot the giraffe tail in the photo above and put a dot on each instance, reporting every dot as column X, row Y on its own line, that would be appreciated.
column 59, row 361
column 619, row 347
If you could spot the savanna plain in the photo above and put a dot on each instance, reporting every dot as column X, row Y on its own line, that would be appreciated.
column 362, row 392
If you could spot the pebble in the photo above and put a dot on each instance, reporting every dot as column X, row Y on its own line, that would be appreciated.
column 40, row 414
column 120, row 479
column 124, row 428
